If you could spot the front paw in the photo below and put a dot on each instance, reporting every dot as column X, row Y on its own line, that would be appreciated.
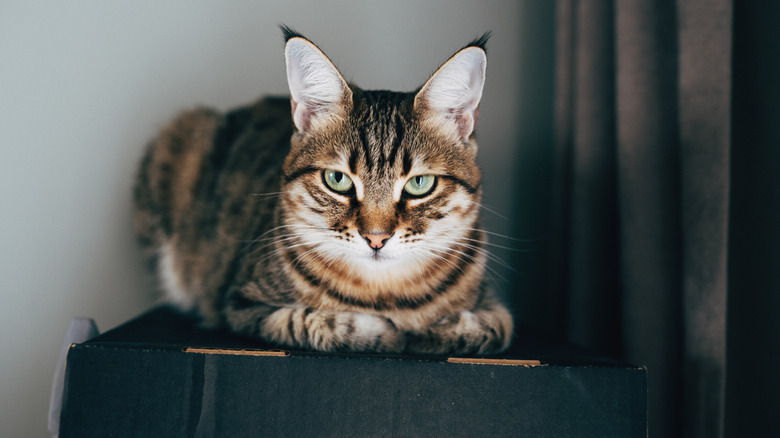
column 346, row 331
column 461, row 333
column 376, row 333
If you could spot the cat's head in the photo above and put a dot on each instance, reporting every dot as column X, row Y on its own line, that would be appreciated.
column 378, row 180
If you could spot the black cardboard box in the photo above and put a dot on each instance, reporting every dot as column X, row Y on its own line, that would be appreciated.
column 160, row 375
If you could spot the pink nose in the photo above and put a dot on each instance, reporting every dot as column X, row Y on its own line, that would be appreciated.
column 376, row 241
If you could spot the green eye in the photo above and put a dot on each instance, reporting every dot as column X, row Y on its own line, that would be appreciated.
column 420, row 185
column 337, row 181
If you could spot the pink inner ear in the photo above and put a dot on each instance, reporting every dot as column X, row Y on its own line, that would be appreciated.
column 467, row 122
column 464, row 124
column 293, row 105
column 301, row 116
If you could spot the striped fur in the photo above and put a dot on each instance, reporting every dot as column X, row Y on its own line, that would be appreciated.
column 236, row 217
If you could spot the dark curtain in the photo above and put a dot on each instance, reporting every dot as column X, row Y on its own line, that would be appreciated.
column 659, row 214
column 753, row 371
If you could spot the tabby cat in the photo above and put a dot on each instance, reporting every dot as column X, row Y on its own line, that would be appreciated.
column 351, row 226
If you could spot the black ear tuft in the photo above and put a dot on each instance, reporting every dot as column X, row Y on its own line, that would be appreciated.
column 480, row 42
column 289, row 33
column 450, row 98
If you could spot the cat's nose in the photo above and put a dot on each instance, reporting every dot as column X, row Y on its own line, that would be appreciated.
column 376, row 241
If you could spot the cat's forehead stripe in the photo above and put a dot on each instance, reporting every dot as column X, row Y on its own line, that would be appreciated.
column 381, row 128
column 363, row 134
column 400, row 131
column 407, row 162
column 353, row 157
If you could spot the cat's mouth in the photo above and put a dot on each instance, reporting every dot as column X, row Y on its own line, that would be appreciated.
column 378, row 257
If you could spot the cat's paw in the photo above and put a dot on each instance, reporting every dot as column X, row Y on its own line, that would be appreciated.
column 460, row 333
column 352, row 331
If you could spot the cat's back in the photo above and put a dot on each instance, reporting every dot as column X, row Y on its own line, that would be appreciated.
column 202, row 189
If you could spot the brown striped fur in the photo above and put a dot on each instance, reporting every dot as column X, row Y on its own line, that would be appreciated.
column 237, row 220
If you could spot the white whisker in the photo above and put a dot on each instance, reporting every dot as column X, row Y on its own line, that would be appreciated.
column 490, row 210
column 490, row 233
column 260, row 237
column 464, row 256
column 477, row 249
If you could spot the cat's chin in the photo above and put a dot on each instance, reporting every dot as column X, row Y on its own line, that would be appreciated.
column 384, row 270
column 378, row 262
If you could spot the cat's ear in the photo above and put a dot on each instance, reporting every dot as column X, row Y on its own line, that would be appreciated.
column 450, row 98
column 318, row 92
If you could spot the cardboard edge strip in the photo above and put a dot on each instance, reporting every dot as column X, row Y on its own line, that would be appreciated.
column 485, row 361
column 265, row 353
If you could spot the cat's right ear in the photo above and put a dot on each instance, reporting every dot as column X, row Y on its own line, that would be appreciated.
column 450, row 98
column 318, row 92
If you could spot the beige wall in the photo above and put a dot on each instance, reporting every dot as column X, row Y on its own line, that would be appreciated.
column 83, row 85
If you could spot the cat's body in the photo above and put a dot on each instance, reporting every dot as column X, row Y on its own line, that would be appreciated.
column 351, row 226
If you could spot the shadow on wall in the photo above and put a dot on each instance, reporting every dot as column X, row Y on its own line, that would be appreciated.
column 532, row 176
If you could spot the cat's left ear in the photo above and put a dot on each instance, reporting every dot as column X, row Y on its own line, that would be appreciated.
column 318, row 91
column 450, row 98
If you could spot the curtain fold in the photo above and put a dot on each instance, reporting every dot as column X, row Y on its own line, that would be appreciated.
column 648, row 187
column 705, row 72
column 587, row 191
column 642, row 193
column 754, row 224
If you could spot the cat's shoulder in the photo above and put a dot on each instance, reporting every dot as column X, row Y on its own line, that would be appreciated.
column 267, row 114
column 266, row 111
